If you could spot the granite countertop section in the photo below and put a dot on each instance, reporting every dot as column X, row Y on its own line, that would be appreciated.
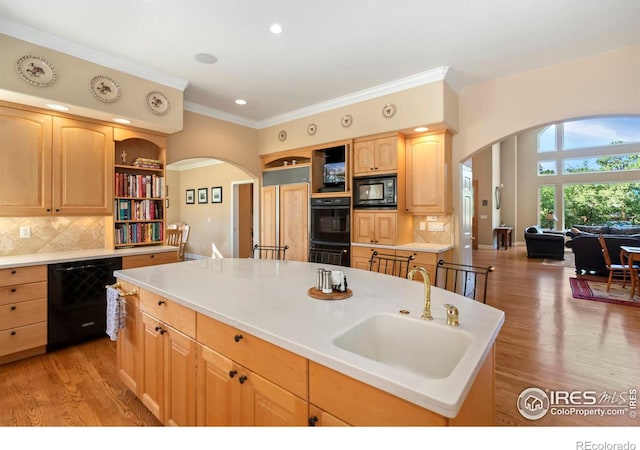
column 414, row 246
column 78, row 255
column 269, row 300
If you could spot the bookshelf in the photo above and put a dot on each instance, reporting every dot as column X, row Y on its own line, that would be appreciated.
column 139, row 191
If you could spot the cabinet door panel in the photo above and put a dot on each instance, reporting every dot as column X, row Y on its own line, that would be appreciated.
column 363, row 158
column 128, row 338
column 179, row 378
column 268, row 221
column 385, row 228
column 218, row 395
column 428, row 185
column 386, row 154
column 363, row 227
column 266, row 404
column 82, row 167
column 151, row 378
column 294, row 220
column 25, row 162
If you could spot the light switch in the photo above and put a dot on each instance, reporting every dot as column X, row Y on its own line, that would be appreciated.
column 25, row 232
column 432, row 218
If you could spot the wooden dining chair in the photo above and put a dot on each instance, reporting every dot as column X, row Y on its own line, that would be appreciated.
column 466, row 280
column 326, row 256
column 631, row 261
column 614, row 269
column 173, row 237
column 269, row 252
column 390, row 264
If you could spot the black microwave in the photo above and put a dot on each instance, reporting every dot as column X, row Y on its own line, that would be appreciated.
column 375, row 192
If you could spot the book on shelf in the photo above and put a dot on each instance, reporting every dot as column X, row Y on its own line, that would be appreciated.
column 147, row 163
column 138, row 233
column 143, row 186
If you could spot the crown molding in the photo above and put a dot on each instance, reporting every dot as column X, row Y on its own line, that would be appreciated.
column 56, row 43
column 419, row 79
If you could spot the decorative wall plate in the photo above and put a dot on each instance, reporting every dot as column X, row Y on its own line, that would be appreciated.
column 104, row 89
column 157, row 103
column 282, row 135
column 346, row 120
column 389, row 110
column 311, row 129
column 36, row 71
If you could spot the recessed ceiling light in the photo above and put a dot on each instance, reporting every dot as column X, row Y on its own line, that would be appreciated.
column 57, row 107
column 276, row 28
column 241, row 102
column 205, row 58
column 124, row 121
column 420, row 129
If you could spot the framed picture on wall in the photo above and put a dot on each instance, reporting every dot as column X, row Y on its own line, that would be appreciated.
column 216, row 194
column 203, row 195
column 191, row 196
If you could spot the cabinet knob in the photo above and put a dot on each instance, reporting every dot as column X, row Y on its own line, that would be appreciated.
column 161, row 302
column 13, row 290
column 48, row 210
column 161, row 330
column 57, row 210
column 13, row 308
column 242, row 379
column 237, row 337
column 13, row 333
column 13, row 272
column 232, row 373
column 313, row 420
column 153, row 256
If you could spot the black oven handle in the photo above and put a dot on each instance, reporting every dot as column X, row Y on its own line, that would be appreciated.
column 329, row 207
column 86, row 266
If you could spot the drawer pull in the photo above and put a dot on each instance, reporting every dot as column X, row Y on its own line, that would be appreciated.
column 161, row 302
column 153, row 256
column 242, row 379
column 13, row 308
column 13, row 333
column 313, row 420
column 14, row 290
column 237, row 337
column 232, row 373
column 13, row 272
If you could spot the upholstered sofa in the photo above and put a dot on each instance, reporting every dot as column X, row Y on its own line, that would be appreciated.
column 587, row 250
column 543, row 243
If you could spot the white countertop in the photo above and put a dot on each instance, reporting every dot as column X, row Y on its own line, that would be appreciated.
column 77, row 255
column 269, row 300
column 415, row 246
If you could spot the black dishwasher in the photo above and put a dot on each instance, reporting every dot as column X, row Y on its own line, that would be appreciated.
column 78, row 301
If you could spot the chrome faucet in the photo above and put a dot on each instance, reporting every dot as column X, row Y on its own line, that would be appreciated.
column 426, row 312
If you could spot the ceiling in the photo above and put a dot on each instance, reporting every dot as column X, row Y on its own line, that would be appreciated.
column 330, row 52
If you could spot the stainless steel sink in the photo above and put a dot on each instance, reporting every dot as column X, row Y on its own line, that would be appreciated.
column 423, row 347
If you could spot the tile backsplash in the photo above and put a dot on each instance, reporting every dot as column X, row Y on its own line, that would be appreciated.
column 51, row 234
column 434, row 237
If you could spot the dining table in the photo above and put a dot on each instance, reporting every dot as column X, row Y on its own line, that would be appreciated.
column 632, row 257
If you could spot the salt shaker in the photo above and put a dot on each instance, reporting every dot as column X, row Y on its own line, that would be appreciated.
column 319, row 279
column 326, row 282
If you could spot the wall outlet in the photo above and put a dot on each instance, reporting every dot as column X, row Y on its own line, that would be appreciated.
column 25, row 232
column 436, row 226
column 422, row 226
column 432, row 218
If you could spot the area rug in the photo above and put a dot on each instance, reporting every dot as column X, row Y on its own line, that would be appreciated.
column 597, row 291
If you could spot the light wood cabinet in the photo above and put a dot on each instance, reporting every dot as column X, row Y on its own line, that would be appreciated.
column 375, row 156
column 23, row 312
column 360, row 256
column 284, row 218
column 139, row 188
column 168, row 368
column 374, row 227
column 320, row 418
column 82, row 167
column 149, row 259
column 54, row 165
column 243, row 380
column 25, row 162
column 428, row 174
column 127, row 362
column 428, row 260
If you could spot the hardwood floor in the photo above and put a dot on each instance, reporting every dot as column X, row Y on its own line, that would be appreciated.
column 552, row 341
column 549, row 340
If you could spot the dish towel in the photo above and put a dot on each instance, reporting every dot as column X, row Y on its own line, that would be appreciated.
column 115, row 313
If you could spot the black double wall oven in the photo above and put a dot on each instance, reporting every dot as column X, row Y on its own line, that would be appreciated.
column 331, row 225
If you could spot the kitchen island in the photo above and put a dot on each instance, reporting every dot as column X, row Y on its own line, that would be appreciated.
column 196, row 316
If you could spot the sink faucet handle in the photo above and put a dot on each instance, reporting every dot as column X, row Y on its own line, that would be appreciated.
column 452, row 315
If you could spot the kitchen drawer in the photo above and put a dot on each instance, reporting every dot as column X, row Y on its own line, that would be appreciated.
column 24, row 313
column 23, row 292
column 149, row 259
column 179, row 317
column 21, row 275
column 18, row 339
column 272, row 362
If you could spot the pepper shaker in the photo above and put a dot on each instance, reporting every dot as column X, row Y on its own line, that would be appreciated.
column 326, row 282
